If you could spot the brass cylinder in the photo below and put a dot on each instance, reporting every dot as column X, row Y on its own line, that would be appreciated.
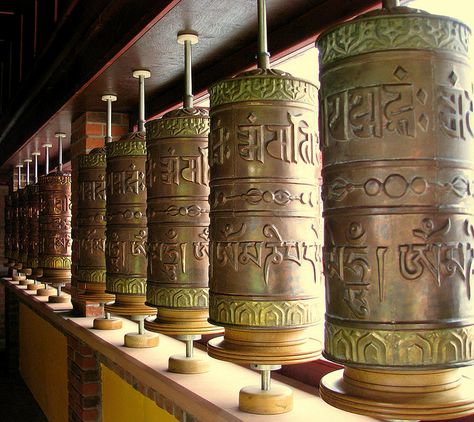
column 178, row 222
column 33, row 205
column 126, row 232
column 8, row 229
column 265, row 231
column 397, row 103
column 15, row 224
column 55, row 227
column 89, row 232
column 24, row 229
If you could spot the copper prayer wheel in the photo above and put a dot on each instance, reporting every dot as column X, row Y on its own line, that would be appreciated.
column 55, row 227
column 178, row 222
column 33, row 205
column 24, row 229
column 8, row 229
column 397, row 103
column 126, row 233
column 89, row 231
column 265, row 237
column 15, row 227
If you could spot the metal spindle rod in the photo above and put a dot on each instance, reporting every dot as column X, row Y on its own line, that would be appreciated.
column 389, row 4
column 36, row 154
column 266, row 380
column 47, row 147
column 60, row 137
column 189, row 348
column 141, row 75
column 108, row 130
column 19, row 166
column 263, row 56
column 188, row 38
column 27, row 161
column 141, row 326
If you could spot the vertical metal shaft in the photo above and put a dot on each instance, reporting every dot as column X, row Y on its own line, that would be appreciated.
column 108, row 135
column 141, row 326
column 189, row 348
column 19, row 176
column 263, row 56
column 388, row 4
column 36, row 167
column 141, row 105
column 60, row 146
column 47, row 159
column 266, row 379
column 188, row 81
column 27, row 172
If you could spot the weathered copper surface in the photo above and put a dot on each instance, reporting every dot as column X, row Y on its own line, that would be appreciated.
column 125, row 246
column 8, row 228
column 55, row 227
column 265, row 249
column 14, row 248
column 397, row 103
column 178, row 222
column 89, row 231
column 24, row 229
column 33, row 205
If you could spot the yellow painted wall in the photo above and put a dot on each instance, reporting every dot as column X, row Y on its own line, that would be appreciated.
column 121, row 402
column 43, row 364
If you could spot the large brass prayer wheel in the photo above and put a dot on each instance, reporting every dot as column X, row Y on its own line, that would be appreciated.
column 89, row 231
column 24, row 229
column 178, row 222
column 397, row 103
column 126, row 233
column 55, row 227
column 265, row 248
column 33, row 205
column 8, row 229
column 15, row 224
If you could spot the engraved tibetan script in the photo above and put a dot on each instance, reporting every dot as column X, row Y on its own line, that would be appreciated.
column 90, row 190
column 369, row 112
column 185, row 168
column 455, row 112
column 122, row 182
column 295, row 142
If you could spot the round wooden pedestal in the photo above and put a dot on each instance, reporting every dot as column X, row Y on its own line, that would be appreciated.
column 34, row 286
column 180, row 364
column 47, row 291
column 59, row 299
column 107, row 324
column 26, row 282
column 19, row 277
column 278, row 400
column 139, row 341
column 413, row 395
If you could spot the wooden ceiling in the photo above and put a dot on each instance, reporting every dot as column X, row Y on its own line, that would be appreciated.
column 57, row 57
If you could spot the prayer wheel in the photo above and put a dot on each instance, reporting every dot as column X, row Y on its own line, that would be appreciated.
column 24, row 229
column 55, row 230
column 126, row 256
column 265, row 230
column 33, row 204
column 15, row 227
column 89, row 230
column 8, row 230
column 178, row 224
column 397, row 103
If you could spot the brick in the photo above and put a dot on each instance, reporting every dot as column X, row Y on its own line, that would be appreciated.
column 95, row 129
column 178, row 413
column 84, row 362
column 85, row 350
column 168, row 405
column 89, row 402
column 119, row 130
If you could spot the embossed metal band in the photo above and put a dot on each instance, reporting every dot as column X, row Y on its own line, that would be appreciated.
column 292, row 313
column 124, row 284
column 90, row 275
column 92, row 161
column 387, row 32
column 59, row 262
column 178, row 297
column 177, row 127
column 408, row 348
column 124, row 148
column 263, row 88
column 52, row 179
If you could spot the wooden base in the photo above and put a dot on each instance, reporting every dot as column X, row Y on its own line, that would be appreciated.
column 26, row 282
column 140, row 341
column 414, row 395
column 107, row 324
column 129, row 305
column 18, row 277
column 273, row 402
column 59, row 299
column 47, row 291
column 34, row 286
column 180, row 364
